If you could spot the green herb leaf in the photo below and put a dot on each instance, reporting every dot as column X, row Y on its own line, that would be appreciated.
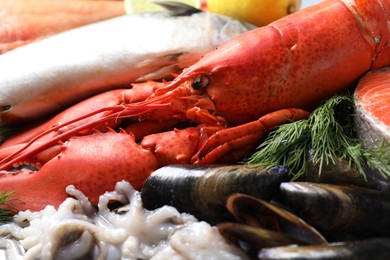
column 7, row 210
column 287, row 145
column 328, row 133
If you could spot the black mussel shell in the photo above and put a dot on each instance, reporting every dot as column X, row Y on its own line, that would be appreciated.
column 202, row 190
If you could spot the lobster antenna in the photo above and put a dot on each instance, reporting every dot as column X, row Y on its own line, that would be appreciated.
column 119, row 111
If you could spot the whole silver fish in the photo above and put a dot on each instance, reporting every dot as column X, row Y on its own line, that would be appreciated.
column 45, row 76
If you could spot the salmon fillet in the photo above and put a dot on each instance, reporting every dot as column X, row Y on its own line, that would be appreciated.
column 373, row 108
column 24, row 21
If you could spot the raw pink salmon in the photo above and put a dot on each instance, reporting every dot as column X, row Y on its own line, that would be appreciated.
column 373, row 108
column 24, row 21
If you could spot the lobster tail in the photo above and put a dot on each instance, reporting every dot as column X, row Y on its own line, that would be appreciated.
column 297, row 61
column 376, row 31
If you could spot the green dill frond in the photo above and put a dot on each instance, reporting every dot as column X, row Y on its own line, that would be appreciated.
column 7, row 210
column 286, row 145
column 328, row 133
column 329, row 137
column 378, row 159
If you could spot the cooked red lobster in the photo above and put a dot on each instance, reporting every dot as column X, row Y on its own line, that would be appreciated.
column 218, row 108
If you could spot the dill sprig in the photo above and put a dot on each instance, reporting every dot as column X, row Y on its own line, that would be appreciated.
column 286, row 145
column 329, row 137
column 328, row 133
column 7, row 210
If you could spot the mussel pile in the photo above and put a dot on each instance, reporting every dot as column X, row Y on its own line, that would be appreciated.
column 378, row 248
column 355, row 210
column 269, row 217
column 202, row 190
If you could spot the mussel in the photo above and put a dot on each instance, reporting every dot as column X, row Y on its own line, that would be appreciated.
column 341, row 172
column 255, row 238
column 355, row 210
column 263, row 224
column 257, row 212
column 377, row 249
column 201, row 190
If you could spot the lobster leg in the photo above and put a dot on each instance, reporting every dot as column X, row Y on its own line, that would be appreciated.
column 244, row 137
column 179, row 145
column 137, row 92
column 27, row 133
column 93, row 163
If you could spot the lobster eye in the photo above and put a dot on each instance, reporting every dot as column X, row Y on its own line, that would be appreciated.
column 200, row 82
column 5, row 108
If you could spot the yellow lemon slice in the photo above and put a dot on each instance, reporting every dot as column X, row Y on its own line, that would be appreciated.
column 257, row 12
column 139, row 6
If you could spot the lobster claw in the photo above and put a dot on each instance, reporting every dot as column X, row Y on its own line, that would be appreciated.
column 93, row 163
column 233, row 143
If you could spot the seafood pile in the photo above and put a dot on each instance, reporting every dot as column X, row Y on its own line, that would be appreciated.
column 174, row 123
column 264, row 214
column 253, row 219
column 76, row 230
column 199, row 117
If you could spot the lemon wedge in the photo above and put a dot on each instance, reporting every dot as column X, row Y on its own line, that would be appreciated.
column 257, row 12
column 139, row 6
